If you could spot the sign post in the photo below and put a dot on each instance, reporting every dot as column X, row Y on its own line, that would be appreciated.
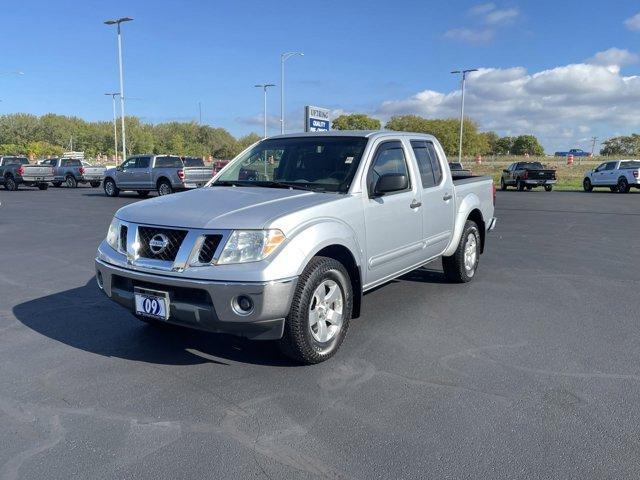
column 316, row 119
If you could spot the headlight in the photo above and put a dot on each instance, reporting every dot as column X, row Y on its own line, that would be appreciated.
column 113, row 234
column 250, row 246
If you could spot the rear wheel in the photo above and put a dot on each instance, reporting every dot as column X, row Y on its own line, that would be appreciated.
column 461, row 266
column 43, row 186
column 143, row 193
column 503, row 186
column 164, row 188
column 548, row 188
column 623, row 185
column 94, row 184
column 529, row 187
column 519, row 185
column 110, row 188
column 614, row 188
column 10, row 184
column 320, row 312
column 586, row 185
column 71, row 181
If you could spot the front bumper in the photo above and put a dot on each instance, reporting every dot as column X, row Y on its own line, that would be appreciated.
column 206, row 305
column 540, row 182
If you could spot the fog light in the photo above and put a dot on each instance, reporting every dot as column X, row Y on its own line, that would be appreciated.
column 99, row 280
column 243, row 305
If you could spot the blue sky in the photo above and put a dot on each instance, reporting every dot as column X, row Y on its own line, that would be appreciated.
column 381, row 58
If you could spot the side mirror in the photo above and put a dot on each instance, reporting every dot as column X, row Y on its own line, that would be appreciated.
column 390, row 182
column 505, row 171
column 119, row 168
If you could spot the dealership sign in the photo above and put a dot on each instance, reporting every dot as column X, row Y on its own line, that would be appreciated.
column 316, row 119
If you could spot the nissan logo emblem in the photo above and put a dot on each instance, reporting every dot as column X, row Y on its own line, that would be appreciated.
column 158, row 243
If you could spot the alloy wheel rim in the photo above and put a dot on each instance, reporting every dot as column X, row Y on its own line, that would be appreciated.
column 164, row 190
column 326, row 311
column 109, row 188
column 470, row 254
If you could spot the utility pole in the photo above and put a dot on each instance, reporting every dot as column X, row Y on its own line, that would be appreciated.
column 593, row 144
column 124, row 136
column 464, row 77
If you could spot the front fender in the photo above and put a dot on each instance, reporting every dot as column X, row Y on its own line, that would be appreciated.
column 307, row 240
column 470, row 202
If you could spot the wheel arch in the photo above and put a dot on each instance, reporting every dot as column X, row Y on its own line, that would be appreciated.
column 163, row 179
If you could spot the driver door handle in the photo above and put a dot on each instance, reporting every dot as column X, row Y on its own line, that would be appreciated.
column 447, row 196
column 415, row 204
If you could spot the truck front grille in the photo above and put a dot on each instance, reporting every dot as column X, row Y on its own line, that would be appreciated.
column 124, row 230
column 160, row 243
column 209, row 247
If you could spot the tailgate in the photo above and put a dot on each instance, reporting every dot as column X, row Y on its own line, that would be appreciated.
column 37, row 171
column 541, row 174
column 94, row 172
column 198, row 175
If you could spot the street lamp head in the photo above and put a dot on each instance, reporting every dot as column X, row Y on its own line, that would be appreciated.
column 118, row 21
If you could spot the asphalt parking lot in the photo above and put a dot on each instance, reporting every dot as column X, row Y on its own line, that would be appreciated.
column 530, row 371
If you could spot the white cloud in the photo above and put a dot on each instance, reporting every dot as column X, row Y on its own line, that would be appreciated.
column 559, row 105
column 482, row 9
column 470, row 35
column 633, row 23
column 499, row 17
column 616, row 57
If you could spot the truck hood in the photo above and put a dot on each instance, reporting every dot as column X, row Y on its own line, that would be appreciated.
column 222, row 207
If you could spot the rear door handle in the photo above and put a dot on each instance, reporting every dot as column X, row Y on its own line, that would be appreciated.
column 415, row 204
column 448, row 196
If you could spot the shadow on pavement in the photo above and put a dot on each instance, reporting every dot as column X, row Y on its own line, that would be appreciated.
column 84, row 318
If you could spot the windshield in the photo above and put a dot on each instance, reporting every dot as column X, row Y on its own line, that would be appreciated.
column 315, row 163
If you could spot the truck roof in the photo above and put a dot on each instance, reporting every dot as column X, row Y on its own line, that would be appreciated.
column 356, row 133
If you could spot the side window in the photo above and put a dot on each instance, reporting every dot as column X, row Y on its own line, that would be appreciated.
column 389, row 158
column 143, row 162
column 601, row 167
column 610, row 166
column 130, row 163
column 428, row 164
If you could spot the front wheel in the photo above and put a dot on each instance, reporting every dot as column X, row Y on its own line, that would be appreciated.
column 503, row 186
column 586, row 185
column 10, row 184
column 71, row 181
column 110, row 188
column 43, row 186
column 320, row 312
column 613, row 189
column 56, row 184
column 94, row 184
column 548, row 188
column 462, row 265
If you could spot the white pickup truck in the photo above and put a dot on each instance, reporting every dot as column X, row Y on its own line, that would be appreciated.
column 619, row 175
column 282, row 243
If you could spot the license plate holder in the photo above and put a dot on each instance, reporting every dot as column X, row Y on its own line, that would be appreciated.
column 151, row 303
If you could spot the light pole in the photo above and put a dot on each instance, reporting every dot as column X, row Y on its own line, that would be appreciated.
column 113, row 96
column 283, row 58
column 124, row 137
column 464, row 77
column 264, row 87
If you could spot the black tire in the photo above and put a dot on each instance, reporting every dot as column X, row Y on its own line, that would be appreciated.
column 519, row 185
column 529, row 187
column 548, row 188
column 454, row 266
column 143, row 193
column 623, row 185
column 164, row 187
column 587, row 185
column 94, row 184
column 10, row 184
column 42, row 186
column 56, row 184
column 71, row 182
column 503, row 185
column 298, row 341
column 110, row 188
column 614, row 189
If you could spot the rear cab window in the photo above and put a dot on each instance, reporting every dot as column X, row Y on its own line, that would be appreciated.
column 193, row 162
column 168, row 162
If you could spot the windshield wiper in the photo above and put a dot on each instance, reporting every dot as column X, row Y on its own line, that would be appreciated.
column 233, row 183
column 276, row 184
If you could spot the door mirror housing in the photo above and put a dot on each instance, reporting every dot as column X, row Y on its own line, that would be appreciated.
column 390, row 182
column 505, row 171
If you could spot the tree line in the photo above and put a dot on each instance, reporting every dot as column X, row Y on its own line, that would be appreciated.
column 52, row 134
column 447, row 131
column 627, row 145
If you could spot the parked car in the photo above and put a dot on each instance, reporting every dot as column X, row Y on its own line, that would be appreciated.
column 527, row 175
column 72, row 171
column 288, row 256
column 16, row 171
column 162, row 173
column 576, row 152
column 619, row 176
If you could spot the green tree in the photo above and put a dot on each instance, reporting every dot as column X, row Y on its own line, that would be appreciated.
column 504, row 146
column 355, row 121
column 527, row 144
column 247, row 140
column 623, row 145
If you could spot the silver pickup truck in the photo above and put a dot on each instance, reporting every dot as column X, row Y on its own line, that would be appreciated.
column 16, row 171
column 162, row 173
column 286, row 253
column 73, row 171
